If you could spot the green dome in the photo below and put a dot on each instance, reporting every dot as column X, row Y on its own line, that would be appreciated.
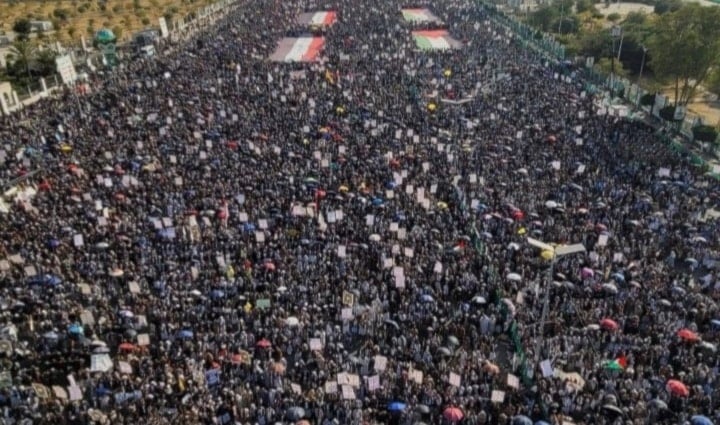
column 104, row 36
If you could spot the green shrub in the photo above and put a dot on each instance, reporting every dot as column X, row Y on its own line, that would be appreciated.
column 705, row 133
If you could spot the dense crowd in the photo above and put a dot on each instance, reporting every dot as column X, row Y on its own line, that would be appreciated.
column 211, row 237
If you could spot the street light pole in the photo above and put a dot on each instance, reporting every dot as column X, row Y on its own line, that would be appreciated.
column 557, row 252
column 642, row 64
column 615, row 34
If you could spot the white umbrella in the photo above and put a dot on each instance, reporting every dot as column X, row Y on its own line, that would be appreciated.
column 514, row 246
column 610, row 287
column 593, row 327
column 699, row 239
column 551, row 204
column 375, row 237
column 116, row 272
column 292, row 321
column 477, row 299
column 514, row 277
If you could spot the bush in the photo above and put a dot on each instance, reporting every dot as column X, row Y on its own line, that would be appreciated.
column 145, row 21
column 705, row 133
column 614, row 17
column 647, row 99
column 665, row 6
column 668, row 114
column 62, row 14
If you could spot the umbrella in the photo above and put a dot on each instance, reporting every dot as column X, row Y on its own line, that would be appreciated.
column 688, row 336
column 295, row 413
column 396, row 406
column 263, row 343
column 708, row 346
column 613, row 408
column 609, row 324
column 542, row 423
column 116, row 272
column 453, row 340
column 658, row 404
column 392, row 323
column 521, row 420
column 423, row 409
column 292, row 321
column 592, row 327
column 677, row 388
column 454, row 414
column 126, row 346
column 75, row 329
column 445, row 351
column 217, row 294
column 426, row 298
column 375, row 237
column 551, row 204
column 514, row 277
column 51, row 335
column 610, row 288
column 477, row 299
column 302, row 422
column 701, row 420
column 126, row 314
column 185, row 334
column 587, row 272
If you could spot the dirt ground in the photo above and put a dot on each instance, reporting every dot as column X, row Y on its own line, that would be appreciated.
column 85, row 17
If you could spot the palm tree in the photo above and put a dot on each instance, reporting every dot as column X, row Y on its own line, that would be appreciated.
column 23, row 52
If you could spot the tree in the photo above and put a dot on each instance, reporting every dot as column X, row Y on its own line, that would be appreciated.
column 685, row 46
column 543, row 18
column 22, row 27
column 713, row 82
column 22, row 53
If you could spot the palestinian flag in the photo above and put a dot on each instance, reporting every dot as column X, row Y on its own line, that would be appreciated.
column 435, row 40
column 618, row 364
column 303, row 49
column 419, row 15
column 317, row 18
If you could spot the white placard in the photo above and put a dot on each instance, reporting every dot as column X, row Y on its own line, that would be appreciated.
column 331, row 387
column 602, row 240
column 454, row 379
column 547, row 369
column 380, row 363
column 373, row 383
column 316, row 344
column 341, row 251
column 497, row 396
column 513, row 381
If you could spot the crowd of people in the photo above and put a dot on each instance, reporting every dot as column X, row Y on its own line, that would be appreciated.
column 209, row 237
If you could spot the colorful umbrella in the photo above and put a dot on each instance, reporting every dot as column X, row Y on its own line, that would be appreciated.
column 396, row 406
column 701, row 420
column 677, row 388
column 126, row 346
column 453, row 414
column 263, row 343
column 688, row 336
column 609, row 324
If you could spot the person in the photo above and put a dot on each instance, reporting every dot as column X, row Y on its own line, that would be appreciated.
column 213, row 237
